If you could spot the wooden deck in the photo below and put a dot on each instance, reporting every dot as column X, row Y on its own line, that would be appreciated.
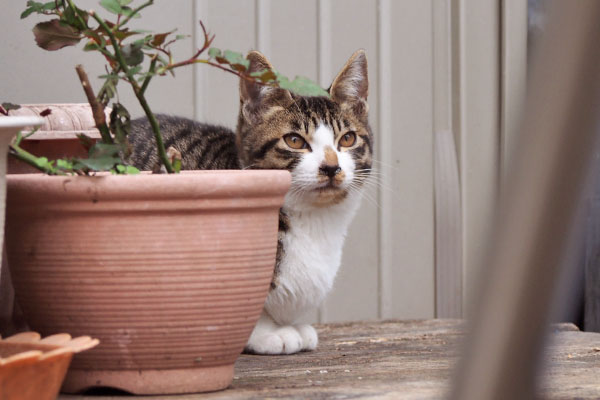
column 395, row 360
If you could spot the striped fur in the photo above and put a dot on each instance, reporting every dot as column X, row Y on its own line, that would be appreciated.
column 309, row 137
column 202, row 146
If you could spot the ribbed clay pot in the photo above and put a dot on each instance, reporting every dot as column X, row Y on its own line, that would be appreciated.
column 170, row 272
column 57, row 137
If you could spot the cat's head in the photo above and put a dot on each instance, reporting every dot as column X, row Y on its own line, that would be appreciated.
column 325, row 142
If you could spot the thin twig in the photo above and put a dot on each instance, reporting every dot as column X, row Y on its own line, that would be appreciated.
column 28, row 158
column 97, row 107
column 137, row 91
column 150, row 74
column 133, row 12
column 76, row 12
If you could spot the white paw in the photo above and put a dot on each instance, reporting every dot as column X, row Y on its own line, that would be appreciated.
column 310, row 339
column 285, row 340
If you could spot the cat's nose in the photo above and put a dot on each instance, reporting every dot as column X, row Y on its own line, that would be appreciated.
column 330, row 170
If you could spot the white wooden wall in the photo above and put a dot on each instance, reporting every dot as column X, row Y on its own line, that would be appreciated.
column 434, row 65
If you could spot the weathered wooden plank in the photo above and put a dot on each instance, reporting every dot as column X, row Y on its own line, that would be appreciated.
column 395, row 359
column 592, row 260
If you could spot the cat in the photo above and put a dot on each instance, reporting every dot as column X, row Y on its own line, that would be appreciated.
column 327, row 145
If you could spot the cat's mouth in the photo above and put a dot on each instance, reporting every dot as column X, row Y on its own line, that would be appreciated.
column 328, row 194
column 327, row 187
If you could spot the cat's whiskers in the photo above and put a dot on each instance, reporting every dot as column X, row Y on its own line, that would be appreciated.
column 387, row 164
column 363, row 194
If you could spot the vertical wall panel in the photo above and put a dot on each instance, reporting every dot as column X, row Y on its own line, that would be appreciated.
column 477, row 123
column 292, row 45
column 448, row 219
column 388, row 268
column 513, row 76
column 217, row 91
column 32, row 75
column 407, row 238
column 346, row 26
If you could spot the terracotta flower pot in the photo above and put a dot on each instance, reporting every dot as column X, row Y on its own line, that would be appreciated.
column 170, row 272
column 33, row 369
column 57, row 137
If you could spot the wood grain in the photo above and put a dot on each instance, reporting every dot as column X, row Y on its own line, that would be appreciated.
column 395, row 360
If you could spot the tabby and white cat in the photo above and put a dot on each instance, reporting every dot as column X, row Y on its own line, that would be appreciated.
column 327, row 145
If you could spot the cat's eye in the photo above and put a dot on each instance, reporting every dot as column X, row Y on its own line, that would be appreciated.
column 348, row 139
column 295, row 141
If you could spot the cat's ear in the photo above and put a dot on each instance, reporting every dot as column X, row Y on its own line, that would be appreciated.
column 350, row 87
column 258, row 101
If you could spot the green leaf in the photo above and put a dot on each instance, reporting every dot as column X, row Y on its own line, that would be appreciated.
column 10, row 106
column 301, row 85
column 109, row 88
column 53, row 35
column 236, row 60
column 176, row 165
column 99, row 164
column 133, row 53
column 71, row 17
column 127, row 11
column 265, row 75
column 131, row 170
column 213, row 52
column 100, row 150
column 126, row 169
column 91, row 46
column 112, row 6
column 86, row 141
column 37, row 7
column 125, row 2
column 120, row 125
column 122, row 34
column 27, row 12
column 135, row 70
column 51, row 5
column 64, row 164
column 42, row 162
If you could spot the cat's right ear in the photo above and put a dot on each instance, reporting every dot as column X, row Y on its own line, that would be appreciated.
column 350, row 88
column 259, row 101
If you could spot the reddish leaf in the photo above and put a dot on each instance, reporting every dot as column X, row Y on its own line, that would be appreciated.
column 46, row 112
column 159, row 38
column 52, row 35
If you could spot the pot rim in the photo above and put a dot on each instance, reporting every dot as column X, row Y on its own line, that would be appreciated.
column 198, row 184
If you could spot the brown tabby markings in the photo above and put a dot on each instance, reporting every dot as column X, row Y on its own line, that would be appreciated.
column 262, row 145
column 266, row 116
column 202, row 146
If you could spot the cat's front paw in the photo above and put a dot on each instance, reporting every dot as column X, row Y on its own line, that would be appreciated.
column 285, row 340
column 310, row 339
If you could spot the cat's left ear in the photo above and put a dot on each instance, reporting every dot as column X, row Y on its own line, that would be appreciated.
column 350, row 87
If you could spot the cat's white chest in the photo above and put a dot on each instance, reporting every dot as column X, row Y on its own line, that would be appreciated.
column 311, row 259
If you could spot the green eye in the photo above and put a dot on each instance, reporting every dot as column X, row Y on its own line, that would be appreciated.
column 295, row 141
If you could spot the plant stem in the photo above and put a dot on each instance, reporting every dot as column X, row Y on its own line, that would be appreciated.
column 133, row 12
column 150, row 74
column 30, row 159
column 97, row 107
column 162, row 154
column 76, row 11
